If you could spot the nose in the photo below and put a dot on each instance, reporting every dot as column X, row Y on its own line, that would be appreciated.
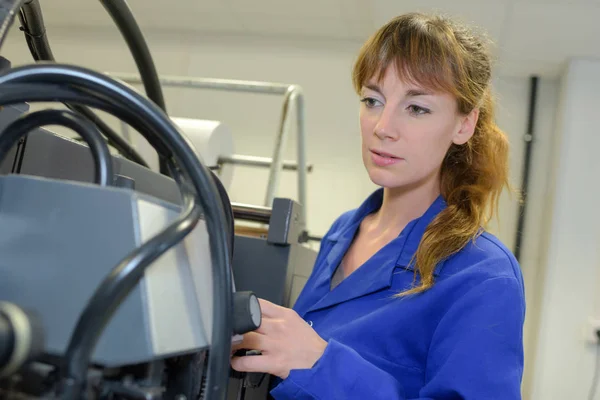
column 386, row 127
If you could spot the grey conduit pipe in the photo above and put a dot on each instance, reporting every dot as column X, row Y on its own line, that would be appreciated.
column 294, row 98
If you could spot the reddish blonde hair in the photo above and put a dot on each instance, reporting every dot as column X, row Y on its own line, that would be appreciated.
column 437, row 53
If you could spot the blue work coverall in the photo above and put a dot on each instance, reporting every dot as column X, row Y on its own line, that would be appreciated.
column 462, row 339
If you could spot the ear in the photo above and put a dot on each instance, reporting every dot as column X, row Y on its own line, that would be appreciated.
column 466, row 128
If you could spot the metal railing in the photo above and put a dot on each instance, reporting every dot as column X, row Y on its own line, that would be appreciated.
column 293, row 97
column 251, row 213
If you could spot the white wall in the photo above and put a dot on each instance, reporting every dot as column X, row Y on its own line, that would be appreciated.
column 323, row 69
column 564, row 361
column 512, row 97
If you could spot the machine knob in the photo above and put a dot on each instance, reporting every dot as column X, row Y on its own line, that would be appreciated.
column 246, row 313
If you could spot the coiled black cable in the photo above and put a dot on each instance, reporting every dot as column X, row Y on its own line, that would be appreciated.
column 164, row 136
column 25, row 124
column 92, row 89
column 32, row 25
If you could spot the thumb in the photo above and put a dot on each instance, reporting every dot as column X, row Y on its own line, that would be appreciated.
column 258, row 363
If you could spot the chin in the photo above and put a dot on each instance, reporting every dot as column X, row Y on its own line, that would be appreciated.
column 400, row 180
column 387, row 178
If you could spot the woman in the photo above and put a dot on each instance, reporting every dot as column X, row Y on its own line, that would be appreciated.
column 409, row 297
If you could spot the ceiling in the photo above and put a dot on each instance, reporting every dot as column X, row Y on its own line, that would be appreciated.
column 531, row 36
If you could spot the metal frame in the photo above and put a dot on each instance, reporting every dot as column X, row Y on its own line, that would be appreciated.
column 251, row 213
column 293, row 97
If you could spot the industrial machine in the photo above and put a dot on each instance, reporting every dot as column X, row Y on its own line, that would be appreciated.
column 117, row 282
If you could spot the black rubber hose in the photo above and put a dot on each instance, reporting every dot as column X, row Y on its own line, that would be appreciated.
column 28, row 38
column 113, row 138
column 126, row 275
column 226, row 203
column 131, row 32
column 25, row 124
column 121, row 14
column 128, row 105
column 32, row 25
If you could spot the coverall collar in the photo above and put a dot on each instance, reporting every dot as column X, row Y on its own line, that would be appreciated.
column 377, row 273
column 413, row 232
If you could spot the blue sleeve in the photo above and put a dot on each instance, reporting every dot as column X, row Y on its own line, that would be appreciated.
column 476, row 353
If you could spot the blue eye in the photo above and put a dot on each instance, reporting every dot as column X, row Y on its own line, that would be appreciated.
column 418, row 110
column 370, row 102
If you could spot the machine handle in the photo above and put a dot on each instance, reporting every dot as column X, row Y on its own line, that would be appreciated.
column 247, row 316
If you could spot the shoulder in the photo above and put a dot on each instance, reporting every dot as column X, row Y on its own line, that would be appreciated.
column 483, row 259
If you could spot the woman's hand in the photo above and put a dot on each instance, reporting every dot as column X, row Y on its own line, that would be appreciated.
column 285, row 340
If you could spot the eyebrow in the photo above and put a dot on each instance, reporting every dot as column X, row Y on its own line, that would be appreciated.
column 409, row 92
column 374, row 88
column 417, row 92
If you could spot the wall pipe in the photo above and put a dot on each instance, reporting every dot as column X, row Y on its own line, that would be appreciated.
column 528, row 138
column 293, row 97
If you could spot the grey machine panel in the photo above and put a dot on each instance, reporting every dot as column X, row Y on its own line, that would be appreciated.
column 56, row 252
column 274, row 267
column 279, row 256
column 52, row 156
column 48, row 155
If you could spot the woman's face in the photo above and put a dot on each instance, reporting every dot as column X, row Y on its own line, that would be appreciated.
column 407, row 130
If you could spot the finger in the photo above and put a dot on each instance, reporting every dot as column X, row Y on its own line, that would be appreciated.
column 260, row 363
column 269, row 309
column 251, row 341
column 236, row 346
column 267, row 325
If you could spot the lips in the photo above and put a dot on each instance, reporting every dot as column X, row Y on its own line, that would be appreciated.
column 383, row 154
column 383, row 159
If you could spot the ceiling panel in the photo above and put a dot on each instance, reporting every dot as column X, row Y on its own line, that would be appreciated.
column 315, row 27
column 192, row 7
column 358, row 17
column 357, row 10
column 488, row 15
column 67, row 12
column 146, row 6
column 552, row 33
column 530, row 34
column 183, row 19
column 543, row 3
column 291, row 8
column 178, row 14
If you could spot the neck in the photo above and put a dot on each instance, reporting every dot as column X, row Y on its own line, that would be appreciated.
column 402, row 205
